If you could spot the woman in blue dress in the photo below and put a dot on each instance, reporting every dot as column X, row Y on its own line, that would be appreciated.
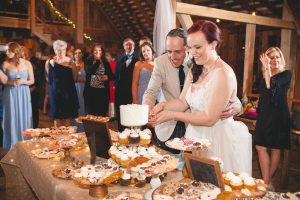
column 79, row 80
column 17, row 112
column 142, row 72
column 62, row 92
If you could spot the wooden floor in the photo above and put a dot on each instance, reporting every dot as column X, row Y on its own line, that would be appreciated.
column 294, row 175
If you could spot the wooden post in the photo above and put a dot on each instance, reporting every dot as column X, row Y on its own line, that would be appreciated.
column 32, row 16
column 185, row 21
column 289, row 49
column 174, row 5
column 249, row 58
column 79, row 21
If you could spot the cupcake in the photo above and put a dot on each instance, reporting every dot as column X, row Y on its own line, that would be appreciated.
column 124, row 160
column 228, row 176
column 249, row 183
column 244, row 175
column 141, row 181
column 125, row 179
column 145, row 138
column 123, row 138
column 134, row 138
column 147, row 131
column 236, row 183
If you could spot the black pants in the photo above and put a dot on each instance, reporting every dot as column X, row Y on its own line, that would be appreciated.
column 178, row 132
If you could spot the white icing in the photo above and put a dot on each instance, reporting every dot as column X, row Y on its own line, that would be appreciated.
column 134, row 115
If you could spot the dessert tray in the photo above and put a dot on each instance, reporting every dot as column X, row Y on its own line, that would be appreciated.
column 68, row 171
column 92, row 118
column 244, row 186
column 39, row 132
column 186, row 144
column 73, row 140
column 123, row 155
column 186, row 189
column 101, row 173
column 47, row 153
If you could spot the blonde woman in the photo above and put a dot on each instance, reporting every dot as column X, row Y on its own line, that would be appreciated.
column 273, row 123
column 17, row 112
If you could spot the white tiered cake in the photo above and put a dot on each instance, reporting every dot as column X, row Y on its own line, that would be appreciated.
column 134, row 115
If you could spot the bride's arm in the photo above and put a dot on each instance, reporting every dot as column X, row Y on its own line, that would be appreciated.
column 222, row 89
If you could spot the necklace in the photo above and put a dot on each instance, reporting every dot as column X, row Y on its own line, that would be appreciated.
column 207, row 70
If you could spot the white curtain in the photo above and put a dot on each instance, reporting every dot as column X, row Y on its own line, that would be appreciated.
column 164, row 21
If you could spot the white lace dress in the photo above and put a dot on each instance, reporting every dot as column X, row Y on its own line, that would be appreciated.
column 231, row 140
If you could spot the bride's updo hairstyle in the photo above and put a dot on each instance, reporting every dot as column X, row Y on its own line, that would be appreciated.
column 212, row 33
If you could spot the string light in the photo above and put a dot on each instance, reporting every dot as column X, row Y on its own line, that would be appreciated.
column 218, row 20
column 253, row 13
column 64, row 18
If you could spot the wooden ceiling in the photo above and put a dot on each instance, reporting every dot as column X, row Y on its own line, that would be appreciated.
column 134, row 18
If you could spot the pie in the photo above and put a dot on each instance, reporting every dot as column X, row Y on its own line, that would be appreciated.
column 92, row 118
column 186, row 189
column 68, row 171
column 47, row 153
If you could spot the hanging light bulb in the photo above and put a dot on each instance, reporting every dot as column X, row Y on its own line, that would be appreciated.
column 253, row 13
column 218, row 20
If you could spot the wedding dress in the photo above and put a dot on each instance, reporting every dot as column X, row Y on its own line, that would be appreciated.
column 231, row 140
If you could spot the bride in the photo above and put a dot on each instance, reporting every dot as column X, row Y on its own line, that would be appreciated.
column 209, row 87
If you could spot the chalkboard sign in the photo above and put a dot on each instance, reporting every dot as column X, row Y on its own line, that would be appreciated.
column 204, row 169
column 98, row 137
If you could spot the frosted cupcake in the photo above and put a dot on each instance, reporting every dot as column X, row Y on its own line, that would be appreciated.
column 124, row 160
column 145, row 138
column 228, row 176
column 141, row 181
column 123, row 138
column 134, row 138
column 249, row 183
column 236, row 183
column 125, row 179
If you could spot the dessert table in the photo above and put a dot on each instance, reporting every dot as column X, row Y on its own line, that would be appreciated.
column 19, row 162
column 31, row 178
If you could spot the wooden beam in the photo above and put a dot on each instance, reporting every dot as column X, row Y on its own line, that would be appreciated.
column 183, row 8
column 249, row 58
column 185, row 21
column 79, row 21
column 289, row 49
column 32, row 16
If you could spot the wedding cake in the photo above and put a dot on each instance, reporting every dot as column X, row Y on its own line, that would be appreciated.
column 134, row 115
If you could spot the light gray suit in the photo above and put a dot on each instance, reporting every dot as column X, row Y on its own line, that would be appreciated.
column 164, row 81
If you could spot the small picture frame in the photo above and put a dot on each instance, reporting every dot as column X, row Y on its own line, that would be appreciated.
column 98, row 137
column 204, row 169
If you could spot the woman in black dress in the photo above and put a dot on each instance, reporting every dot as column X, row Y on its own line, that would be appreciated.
column 273, row 122
column 62, row 92
column 96, row 90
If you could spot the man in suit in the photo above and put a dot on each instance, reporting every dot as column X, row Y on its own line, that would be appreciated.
column 124, row 72
column 167, row 79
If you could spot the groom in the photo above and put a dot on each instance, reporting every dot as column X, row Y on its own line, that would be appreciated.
column 167, row 80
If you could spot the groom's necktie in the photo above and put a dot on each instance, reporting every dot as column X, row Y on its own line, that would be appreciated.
column 181, row 76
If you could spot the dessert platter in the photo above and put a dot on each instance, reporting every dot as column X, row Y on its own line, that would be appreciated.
column 101, row 173
column 135, row 137
column 244, row 186
column 92, row 118
column 187, row 144
column 40, row 132
column 47, row 153
column 186, row 189
column 124, row 196
column 123, row 155
column 67, row 172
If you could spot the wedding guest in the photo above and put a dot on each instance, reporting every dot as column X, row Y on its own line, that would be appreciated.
column 142, row 72
column 80, row 78
column 98, row 75
column 62, row 92
column 208, row 88
column 123, row 81
column 273, row 122
column 17, row 111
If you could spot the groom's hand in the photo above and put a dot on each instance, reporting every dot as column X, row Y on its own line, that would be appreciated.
column 233, row 108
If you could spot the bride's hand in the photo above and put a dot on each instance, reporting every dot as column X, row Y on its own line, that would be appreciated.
column 157, row 108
